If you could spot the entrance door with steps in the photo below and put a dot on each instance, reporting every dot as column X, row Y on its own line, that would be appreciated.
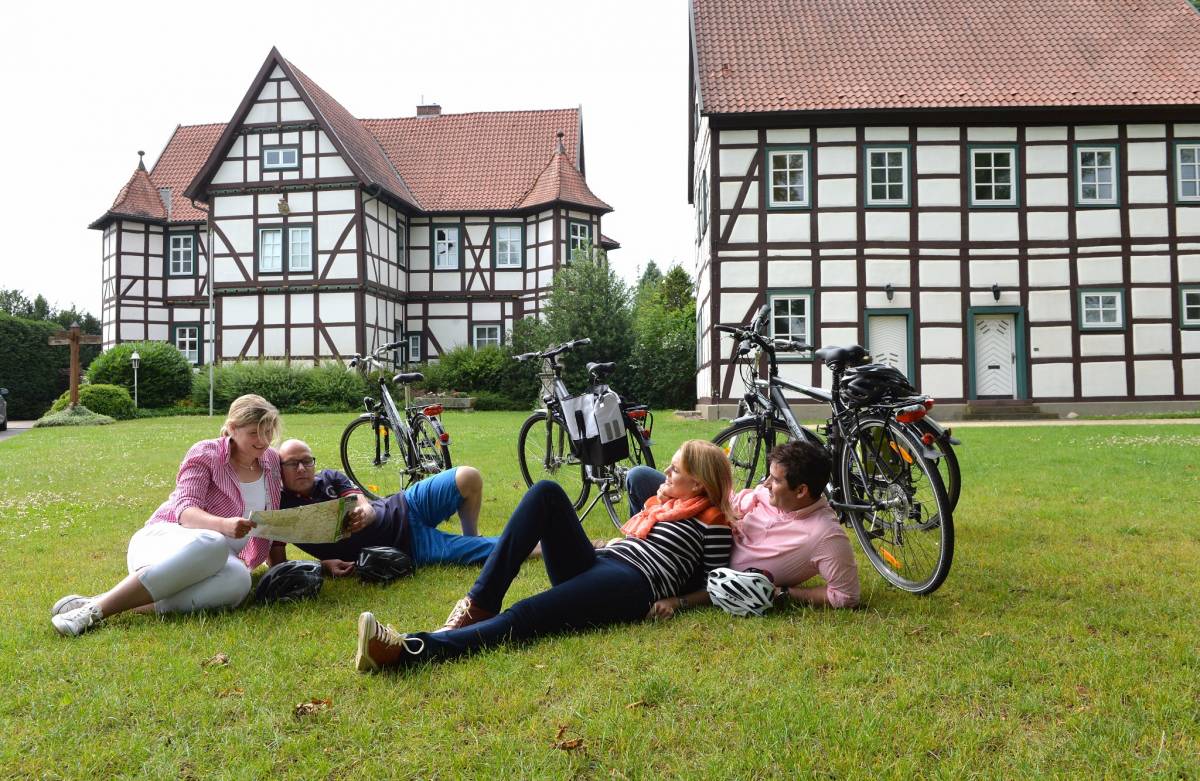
column 995, row 357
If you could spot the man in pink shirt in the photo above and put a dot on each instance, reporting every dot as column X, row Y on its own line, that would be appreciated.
column 786, row 528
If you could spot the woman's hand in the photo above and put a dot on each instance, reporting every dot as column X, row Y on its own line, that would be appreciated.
column 336, row 568
column 663, row 608
column 237, row 528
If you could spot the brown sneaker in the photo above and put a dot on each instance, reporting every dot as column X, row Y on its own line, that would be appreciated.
column 465, row 613
column 381, row 646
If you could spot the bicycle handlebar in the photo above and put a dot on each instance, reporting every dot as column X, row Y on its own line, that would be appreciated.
column 553, row 351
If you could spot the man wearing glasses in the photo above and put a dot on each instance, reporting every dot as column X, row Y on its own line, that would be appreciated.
column 407, row 520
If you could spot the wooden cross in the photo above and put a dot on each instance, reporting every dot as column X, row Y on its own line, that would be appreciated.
column 73, row 338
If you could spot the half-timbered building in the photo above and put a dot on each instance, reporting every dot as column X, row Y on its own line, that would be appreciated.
column 330, row 235
column 1002, row 200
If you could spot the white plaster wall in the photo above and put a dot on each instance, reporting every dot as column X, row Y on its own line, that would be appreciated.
column 1049, row 133
column 939, row 273
column 985, row 273
column 1103, row 379
column 1051, row 341
column 1046, row 192
column 887, row 225
column 839, row 273
column 938, row 134
column 1045, row 160
column 743, row 273
column 1099, row 271
column 1187, row 220
column 1148, row 223
column 1097, row 223
column 834, row 134
column 941, row 307
column 839, row 307
column 939, row 226
column 735, row 162
column 1048, row 273
column 941, row 343
column 1146, row 156
column 1191, row 376
column 1150, row 268
column 1147, row 189
column 993, row 226
column 837, row 226
column 1049, row 305
column 991, row 134
column 938, row 192
column 733, row 307
column 1101, row 344
column 786, row 136
column 785, row 227
column 883, row 272
column 1051, row 380
column 937, row 159
column 745, row 228
column 837, row 192
column 239, row 310
column 836, row 160
column 1152, row 338
column 1153, row 378
column 1150, row 302
column 942, row 381
column 302, row 307
column 789, row 273
column 1095, row 132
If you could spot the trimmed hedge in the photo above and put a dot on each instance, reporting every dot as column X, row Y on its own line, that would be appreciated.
column 489, row 371
column 330, row 387
column 164, row 376
column 111, row 400
column 33, row 371
column 73, row 416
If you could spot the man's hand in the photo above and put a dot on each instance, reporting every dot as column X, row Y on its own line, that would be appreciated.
column 362, row 516
column 237, row 528
column 663, row 608
column 336, row 568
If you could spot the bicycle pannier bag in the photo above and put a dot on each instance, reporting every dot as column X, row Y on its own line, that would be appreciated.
column 597, row 427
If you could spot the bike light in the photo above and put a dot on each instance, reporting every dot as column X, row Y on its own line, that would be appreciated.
column 434, row 409
column 911, row 414
column 927, row 438
column 929, row 403
column 637, row 414
column 445, row 437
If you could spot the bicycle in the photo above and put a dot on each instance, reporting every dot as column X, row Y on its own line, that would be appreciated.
column 931, row 433
column 546, row 450
column 421, row 443
column 883, row 484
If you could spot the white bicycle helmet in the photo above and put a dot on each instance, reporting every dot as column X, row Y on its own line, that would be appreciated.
column 740, row 593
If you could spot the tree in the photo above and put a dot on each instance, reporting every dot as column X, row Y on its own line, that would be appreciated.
column 664, row 351
column 589, row 300
column 14, row 302
column 675, row 290
column 647, row 285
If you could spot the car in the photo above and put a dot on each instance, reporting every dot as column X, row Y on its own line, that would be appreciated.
column 3, row 409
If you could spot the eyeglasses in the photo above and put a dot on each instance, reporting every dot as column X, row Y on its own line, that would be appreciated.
column 307, row 463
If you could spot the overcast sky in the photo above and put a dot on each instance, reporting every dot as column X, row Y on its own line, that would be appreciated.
column 89, row 84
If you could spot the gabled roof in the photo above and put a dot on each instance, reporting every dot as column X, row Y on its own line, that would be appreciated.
column 187, row 150
column 478, row 161
column 829, row 55
column 561, row 181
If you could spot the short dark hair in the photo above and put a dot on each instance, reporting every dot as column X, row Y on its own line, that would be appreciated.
column 804, row 463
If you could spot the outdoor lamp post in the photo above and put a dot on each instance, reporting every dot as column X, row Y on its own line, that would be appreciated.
column 135, row 361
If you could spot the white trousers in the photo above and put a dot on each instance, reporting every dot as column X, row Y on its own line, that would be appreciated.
column 188, row 569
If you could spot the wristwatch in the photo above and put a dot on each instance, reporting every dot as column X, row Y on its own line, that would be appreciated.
column 781, row 594
column 683, row 603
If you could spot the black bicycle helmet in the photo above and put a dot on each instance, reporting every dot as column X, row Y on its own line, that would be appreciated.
column 383, row 564
column 290, row 581
column 874, row 383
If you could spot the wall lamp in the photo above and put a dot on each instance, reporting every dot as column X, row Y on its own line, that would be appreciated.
column 889, row 291
column 995, row 292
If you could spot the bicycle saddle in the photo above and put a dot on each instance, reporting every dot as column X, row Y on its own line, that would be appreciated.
column 405, row 378
column 601, row 369
column 841, row 356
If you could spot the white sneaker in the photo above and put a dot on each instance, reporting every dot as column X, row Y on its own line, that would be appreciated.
column 67, row 603
column 81, row 619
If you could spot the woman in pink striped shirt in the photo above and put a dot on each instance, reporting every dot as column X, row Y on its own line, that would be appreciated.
column 194, row 552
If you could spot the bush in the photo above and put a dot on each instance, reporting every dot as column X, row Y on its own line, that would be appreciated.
column 330, row 387
column 490, row 400
column 33, row 371
column 111, row 400
column 164, row 377
column 489, row 370
column 73, row 416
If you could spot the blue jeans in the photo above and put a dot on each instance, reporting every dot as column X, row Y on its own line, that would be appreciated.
column 430, row 502
column 641, row 483
column 586, row 590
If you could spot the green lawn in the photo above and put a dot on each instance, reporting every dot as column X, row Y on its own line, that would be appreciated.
column 1062, row 644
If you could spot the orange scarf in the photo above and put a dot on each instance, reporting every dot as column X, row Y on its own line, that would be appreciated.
column 656, row 510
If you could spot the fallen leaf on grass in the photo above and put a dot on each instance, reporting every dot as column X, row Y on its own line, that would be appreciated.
column 236, row 691
column 219, row 660
column 986, row 634
column 640, row 704
column 311, row 707
column 574, row 744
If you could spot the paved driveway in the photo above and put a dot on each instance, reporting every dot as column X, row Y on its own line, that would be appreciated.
column 16, row 427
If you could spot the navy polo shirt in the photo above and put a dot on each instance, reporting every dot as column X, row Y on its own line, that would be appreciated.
column 390, row 527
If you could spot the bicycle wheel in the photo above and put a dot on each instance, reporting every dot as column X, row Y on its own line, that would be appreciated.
column 432, row 455
column 544, row 453
column 373, row 457
column 747, row 448
column 897, row 505
column 947, row 464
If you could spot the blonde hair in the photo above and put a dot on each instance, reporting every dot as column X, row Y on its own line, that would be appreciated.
column 253, row 410
column 708, row 464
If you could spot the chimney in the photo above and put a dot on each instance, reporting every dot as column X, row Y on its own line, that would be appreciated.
column 164, row 194
column 429, row 110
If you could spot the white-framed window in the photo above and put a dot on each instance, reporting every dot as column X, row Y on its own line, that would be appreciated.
column 445, row 248
column 486, row 336
column 1189, row 310
column 276, row 157
column 270, row 249
column 508, row 240
column 300, row 249
column 1101, row 309
column 402, row 245
column 183, row 255
column 579, row 235
column 1187, row 171
column 702, row 206
column 790, row 318
column 887, row 176
column 414, row 348
column 993, row 177
column 788, row 174
column 187, row 339
column 1096, row 175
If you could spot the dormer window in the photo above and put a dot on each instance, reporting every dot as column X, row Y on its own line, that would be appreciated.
column 275, row 158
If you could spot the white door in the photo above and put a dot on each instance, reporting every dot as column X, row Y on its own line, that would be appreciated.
column 887, row 341
column 995, row 357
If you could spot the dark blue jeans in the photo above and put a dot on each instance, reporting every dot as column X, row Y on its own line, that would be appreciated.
column 641, row 483
column 586, row 590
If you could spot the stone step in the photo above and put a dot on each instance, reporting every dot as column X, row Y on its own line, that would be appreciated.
column 1007, row 415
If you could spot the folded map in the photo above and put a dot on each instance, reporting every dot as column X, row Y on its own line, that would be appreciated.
column 320, row 522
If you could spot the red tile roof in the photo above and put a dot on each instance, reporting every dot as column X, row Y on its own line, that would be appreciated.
column 820, row 55
column 187, row 150
column 139, row 198
column 480, row 161
column 560, row 181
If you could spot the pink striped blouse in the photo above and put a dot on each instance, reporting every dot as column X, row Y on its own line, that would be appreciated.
column 207, row 480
